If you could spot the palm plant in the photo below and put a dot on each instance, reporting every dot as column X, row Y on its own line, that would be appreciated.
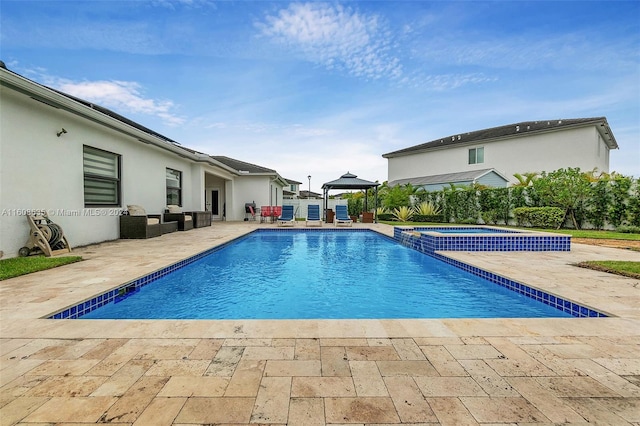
column 427, row 208
column 525, row 179
column 403, row 213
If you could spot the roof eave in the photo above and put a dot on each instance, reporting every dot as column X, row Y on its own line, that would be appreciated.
column 51, row 97
column 600, row 122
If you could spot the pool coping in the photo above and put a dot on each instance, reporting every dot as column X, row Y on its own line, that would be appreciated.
column 122, row 291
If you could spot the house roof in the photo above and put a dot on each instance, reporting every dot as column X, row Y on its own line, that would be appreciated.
column 292, row 181
column 524, row 128
column 93, row 106
column 242, row 166
column 447, row 178
column 113, row 120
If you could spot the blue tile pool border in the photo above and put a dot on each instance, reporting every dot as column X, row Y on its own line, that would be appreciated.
column 429, row 240
column 416, row 240
column 131, row 287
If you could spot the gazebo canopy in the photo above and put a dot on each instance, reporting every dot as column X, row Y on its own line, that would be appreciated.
column 349, row 181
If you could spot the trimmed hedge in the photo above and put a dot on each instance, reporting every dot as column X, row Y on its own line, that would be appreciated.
column 539, row 217
column 628, row 229
column 437, row 218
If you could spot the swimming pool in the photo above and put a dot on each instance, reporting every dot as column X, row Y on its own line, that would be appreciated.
column 295, row 274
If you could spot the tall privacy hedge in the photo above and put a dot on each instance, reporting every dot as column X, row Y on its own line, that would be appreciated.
column 608, row 200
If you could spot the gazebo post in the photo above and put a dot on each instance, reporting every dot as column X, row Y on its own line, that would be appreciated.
column 375, row 213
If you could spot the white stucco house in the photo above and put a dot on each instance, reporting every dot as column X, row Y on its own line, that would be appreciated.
column 83, row 164
column 492, row 155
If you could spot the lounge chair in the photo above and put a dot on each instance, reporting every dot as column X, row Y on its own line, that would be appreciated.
column 313, row 215
column 342, row 216
column 286, row 218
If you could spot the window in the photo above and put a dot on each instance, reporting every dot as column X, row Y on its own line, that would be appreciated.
column 174, row 187
column 294, row 187
column 101, row 177
column 476, row 155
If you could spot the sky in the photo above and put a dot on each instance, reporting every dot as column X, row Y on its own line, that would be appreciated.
column 318, row 89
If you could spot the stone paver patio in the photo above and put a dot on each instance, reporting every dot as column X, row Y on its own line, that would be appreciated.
column 316, row 372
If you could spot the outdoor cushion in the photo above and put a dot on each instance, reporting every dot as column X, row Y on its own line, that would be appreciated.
column 136, row 210
column 152, row 221
column 174, row 209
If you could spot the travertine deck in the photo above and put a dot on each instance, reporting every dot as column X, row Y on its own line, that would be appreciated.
column 466, row 371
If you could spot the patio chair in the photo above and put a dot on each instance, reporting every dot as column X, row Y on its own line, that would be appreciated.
column 265, row 213
column 313, row 215
column 138, row 224
column 342, row 216
column 175, row 214
column 286, row 218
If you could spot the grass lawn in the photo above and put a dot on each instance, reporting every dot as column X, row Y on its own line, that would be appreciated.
column 590, row 233
column 625, row 268
column 17, row 266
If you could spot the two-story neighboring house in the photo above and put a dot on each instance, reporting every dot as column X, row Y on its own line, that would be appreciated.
column 492, row 156
column 292, row 190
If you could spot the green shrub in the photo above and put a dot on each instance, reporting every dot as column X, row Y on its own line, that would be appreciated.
column 490, row 217
column 539, row 217
column 628, row 229
column 386, row 216
column 437, row 218
column 467, row 221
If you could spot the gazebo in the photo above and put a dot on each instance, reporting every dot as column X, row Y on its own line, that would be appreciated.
column 349, row 181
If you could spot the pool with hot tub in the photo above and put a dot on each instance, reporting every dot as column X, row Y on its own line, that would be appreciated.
column 430, row 239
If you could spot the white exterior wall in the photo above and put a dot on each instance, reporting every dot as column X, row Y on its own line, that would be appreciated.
column 40, row 171
column 580, row 147
column 259, row 189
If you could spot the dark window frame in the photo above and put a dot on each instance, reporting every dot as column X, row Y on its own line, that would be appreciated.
column 178, row 188
column 99, row 178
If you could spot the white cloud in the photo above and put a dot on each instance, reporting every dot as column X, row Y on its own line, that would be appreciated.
column 335, row 37
column 121, row 96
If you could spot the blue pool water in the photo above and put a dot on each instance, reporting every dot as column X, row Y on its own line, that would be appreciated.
column 306, row 275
